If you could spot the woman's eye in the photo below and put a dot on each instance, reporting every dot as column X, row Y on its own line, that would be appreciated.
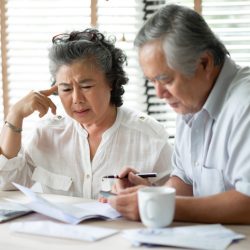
column 66, row 90
column 86, row 87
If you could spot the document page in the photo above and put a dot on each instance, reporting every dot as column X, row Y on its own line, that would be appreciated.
column 10, row 210
column 72, row 214
column 214, row 236
column 60, row 230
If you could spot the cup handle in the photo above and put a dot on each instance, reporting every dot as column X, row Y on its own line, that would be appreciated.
column 149, row 215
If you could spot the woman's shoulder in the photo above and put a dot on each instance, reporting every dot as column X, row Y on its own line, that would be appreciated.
column 142, row 122
column 56, row 122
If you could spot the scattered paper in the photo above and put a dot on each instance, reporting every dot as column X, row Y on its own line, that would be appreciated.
column 59, row 230
column 69, row 213
column 207, row 237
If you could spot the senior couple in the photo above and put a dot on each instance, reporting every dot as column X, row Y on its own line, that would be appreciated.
column 192, row 71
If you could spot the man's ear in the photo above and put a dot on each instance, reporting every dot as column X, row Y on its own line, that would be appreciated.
column 207, row 63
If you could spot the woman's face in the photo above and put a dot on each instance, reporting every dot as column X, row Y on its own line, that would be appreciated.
column 85, row 93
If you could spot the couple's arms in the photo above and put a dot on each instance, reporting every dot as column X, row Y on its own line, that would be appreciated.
column 10, row 141
column 229, row 207
column 126, row 202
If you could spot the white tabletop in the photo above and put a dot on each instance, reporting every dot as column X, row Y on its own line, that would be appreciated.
column 14, row 241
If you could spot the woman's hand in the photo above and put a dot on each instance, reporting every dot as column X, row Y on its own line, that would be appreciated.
column 10, row 141
column 128, row 178
column 34, row 101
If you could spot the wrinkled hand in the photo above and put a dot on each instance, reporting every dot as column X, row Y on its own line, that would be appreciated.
column 128, row 178
column 126, row 203
column 35, row 101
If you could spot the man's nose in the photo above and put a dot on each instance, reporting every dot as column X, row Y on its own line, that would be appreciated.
column 161, row 90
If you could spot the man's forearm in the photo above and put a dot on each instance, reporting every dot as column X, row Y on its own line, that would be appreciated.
column 230, row 207
column 181, row 187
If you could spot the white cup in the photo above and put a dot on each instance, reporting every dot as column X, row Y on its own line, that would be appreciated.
column 156, row 206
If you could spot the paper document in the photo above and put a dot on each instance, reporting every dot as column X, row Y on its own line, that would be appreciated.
column 69, row 213
column 215, row 237
column 9, row 210
column 59, row 230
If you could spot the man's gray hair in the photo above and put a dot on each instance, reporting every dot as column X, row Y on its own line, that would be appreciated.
column 185, row 36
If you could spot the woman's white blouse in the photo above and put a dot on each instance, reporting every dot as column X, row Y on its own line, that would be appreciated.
column 57, row 158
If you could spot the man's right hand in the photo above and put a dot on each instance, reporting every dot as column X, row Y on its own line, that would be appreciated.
column 126, row 203
column 128, row 178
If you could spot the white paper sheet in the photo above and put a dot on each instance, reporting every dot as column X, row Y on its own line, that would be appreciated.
column 59, row 230
column 215, row 237
column 73, row 214
column 10, row 210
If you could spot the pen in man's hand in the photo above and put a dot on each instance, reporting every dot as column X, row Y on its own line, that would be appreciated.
column 143, row 175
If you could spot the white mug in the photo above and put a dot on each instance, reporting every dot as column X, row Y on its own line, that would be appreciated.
column 156, row 206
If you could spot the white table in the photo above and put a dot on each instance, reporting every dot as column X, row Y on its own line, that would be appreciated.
column 17, row 241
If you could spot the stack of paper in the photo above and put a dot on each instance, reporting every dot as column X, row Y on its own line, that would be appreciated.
column 69, row 213
column 214, row 237
column 59, row 230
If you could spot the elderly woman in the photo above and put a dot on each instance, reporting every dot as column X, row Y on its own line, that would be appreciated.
column 70, row 155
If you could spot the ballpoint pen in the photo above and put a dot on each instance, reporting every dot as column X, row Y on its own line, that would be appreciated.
column 143, row 175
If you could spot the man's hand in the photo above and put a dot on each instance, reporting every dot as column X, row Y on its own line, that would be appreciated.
column 128, row 178
column 126, row 203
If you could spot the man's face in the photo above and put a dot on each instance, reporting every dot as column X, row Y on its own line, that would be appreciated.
column 184, row 94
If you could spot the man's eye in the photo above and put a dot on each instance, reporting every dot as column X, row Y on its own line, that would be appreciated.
column 166, row 81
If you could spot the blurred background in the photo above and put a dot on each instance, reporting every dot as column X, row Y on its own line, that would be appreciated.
column 27, row 27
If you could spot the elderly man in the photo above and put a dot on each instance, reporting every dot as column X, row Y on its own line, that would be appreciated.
column 192, row 71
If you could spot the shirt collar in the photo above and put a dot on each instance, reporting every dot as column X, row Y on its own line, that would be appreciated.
column 217, row 95
column 109, row 131
column 216, row 98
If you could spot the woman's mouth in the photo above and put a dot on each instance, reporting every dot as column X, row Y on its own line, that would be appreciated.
column 81, row 111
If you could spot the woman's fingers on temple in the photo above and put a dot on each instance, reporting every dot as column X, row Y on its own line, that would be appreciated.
column 45, row 100
column 50, row 91
column 52, row 106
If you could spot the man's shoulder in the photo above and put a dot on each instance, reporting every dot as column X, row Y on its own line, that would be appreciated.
column 239, row 91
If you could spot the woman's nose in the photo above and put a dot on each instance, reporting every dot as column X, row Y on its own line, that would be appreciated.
column 77, row 96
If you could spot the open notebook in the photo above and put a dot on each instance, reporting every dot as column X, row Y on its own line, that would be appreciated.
column 68, row 213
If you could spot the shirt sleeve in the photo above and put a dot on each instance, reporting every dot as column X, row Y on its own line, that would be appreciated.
column 238, row 148
column 178, row 167
column 164, row 164
column 178, row 155
column 14, row 170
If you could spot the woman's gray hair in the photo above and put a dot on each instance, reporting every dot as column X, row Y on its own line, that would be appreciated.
column 185, row 36
column 93, row 46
